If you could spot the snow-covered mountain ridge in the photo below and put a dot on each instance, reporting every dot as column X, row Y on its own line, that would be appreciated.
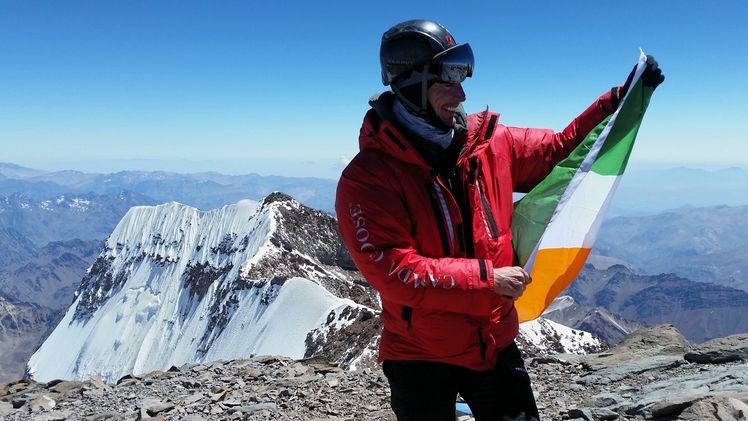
column 175, row 285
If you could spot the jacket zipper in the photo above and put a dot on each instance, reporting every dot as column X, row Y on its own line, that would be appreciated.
column 488, row 220
column 443, row 217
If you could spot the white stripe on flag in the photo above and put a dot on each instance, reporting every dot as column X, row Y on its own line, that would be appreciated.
column 577, row 224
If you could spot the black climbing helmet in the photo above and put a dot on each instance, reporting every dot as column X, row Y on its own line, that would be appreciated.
column 425, row 46
column 417, row 53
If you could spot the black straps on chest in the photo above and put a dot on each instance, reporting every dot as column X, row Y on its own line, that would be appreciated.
column 491, row 126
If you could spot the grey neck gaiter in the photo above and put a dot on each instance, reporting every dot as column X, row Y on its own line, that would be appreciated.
column 420, row 127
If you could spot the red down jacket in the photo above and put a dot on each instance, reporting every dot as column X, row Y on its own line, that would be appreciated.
column 404, row 230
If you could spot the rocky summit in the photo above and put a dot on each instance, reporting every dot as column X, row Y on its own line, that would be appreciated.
column 651, row 375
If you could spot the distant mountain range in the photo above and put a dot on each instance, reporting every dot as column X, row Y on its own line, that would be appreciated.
column 703, row 244
column 643, row 191
column 205, row 191
column 48, row 276
column 598, row 320
column 699, row 310
column 46, row 245
column 64, row 217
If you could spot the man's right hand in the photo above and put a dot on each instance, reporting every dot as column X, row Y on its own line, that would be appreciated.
column 510, row 281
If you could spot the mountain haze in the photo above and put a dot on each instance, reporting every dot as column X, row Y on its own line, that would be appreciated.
column 645, row 190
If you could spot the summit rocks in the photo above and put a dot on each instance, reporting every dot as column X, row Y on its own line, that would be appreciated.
column 646, row 377
column 649, row 375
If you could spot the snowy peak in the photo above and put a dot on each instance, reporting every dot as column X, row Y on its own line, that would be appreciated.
column 175, row 285
column 609, row 327
column 541, row 337
column 175, row 239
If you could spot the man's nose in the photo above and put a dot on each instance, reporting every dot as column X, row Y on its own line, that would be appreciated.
column 457, row 90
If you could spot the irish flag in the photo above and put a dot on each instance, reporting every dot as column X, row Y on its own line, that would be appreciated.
column 555, row 224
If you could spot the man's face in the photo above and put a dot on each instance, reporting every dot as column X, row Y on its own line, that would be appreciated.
column 445, row 98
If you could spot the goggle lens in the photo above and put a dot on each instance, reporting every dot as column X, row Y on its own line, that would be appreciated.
column 455, row 65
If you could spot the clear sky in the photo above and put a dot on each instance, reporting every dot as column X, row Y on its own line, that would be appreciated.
column 280, row 87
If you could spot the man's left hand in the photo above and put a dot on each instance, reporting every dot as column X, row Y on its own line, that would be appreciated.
column 652, row 77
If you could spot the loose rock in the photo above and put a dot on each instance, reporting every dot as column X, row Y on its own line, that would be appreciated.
column 642, row 379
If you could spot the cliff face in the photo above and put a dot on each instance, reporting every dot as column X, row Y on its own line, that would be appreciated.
column 22, row 327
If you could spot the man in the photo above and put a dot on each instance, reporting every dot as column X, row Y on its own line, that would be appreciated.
column 425, row 210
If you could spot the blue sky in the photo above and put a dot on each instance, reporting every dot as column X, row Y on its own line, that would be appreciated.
column 281, row 87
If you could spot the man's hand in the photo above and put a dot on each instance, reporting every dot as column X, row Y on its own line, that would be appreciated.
column 510, row 281
column 652, row 77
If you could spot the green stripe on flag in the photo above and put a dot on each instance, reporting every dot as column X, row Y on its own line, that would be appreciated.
column 615, row 153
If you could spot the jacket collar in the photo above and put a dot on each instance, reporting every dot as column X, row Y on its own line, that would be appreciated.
column 381, row 130
column 382, row 104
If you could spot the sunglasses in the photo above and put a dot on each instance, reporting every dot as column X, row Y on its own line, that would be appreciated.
column 454, row 65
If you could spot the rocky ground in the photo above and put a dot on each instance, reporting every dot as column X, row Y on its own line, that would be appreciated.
column 651, row 375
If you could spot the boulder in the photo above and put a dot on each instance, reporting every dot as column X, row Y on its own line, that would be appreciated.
column 721, row 350
column 657, row 341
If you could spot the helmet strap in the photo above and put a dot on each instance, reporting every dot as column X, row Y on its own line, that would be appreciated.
column 413, row 107
column 424, row 88
column 422, row 110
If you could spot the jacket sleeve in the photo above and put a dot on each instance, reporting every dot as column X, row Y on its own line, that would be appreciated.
column 375, row 226
column 537, row 151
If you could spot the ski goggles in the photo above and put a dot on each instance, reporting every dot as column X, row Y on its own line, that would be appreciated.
column 454, row 65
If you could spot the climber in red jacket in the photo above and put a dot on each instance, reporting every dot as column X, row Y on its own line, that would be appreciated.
column 425, row 210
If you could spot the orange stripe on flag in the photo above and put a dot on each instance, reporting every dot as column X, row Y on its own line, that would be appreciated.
column 553, row 270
